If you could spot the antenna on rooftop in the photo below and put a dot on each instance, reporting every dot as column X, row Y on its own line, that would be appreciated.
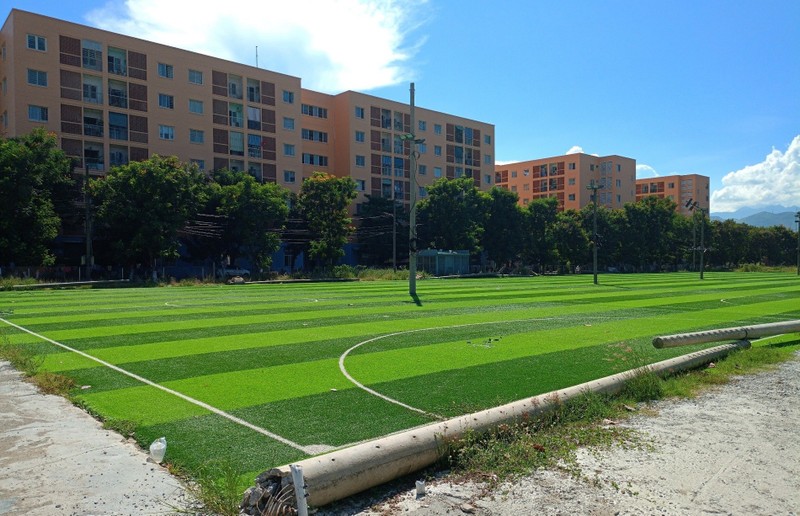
column 256, row 56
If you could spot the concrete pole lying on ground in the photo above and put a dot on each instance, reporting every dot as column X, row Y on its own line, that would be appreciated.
column 736, row 333
column 342, row 473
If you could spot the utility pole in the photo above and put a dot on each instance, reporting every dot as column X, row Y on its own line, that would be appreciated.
column 412, row 215
column 694, row 205
column 87, row 201
column 394, row 229
column 594, row 187
column 797, row 219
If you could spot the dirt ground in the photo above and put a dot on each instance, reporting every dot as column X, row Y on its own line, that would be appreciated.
column 734, row 450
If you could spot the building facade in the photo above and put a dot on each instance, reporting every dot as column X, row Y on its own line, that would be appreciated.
column 567, row 177
column 680, row 188
column 112, row 99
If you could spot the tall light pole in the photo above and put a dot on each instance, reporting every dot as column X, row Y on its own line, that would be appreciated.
column 594, row 187
column 694, row 205
column 394, row 228
column 797, row 219
column 412, row 215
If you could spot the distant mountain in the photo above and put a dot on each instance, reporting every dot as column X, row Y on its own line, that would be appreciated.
column 764, row 219
column 742, row 213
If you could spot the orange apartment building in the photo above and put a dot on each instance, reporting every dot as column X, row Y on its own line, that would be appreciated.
column 679, row 188
column 566, row 178
column 112, row 99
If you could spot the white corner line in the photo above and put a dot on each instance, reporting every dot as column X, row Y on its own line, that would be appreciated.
column 230, row 417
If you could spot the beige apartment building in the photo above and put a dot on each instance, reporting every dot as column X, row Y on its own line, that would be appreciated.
column 566, row 178
column 112, row 99
column 679, row 188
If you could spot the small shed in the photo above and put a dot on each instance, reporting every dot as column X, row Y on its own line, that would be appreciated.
column 444, row 263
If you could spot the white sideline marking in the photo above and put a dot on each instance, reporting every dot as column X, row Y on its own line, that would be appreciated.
column 363, row 387
column 310, row 450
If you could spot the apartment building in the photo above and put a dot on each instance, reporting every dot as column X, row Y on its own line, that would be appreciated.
column 679, row 188
column 566, row 178
column 112, row 99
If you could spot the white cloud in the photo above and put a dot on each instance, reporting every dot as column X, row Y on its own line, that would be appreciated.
column 645, row 171
column 774, row 181
column 333, row 45
column 575, row 149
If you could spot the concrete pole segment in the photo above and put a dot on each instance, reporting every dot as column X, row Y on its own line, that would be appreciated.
column 348, row 471
column 737, row 333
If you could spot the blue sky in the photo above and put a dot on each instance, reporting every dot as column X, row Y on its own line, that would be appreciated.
column 701, row 86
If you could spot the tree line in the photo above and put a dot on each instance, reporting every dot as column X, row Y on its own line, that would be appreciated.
column 150, row 212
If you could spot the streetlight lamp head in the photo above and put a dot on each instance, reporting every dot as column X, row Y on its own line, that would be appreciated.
column 407, row 136
column 689, row 202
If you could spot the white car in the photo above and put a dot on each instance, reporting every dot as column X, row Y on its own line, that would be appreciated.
column 228, row 272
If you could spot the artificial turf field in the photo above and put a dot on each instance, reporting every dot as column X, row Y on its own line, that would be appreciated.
column 269, row 354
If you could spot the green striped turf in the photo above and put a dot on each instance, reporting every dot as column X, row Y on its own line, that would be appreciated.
column 269, row 353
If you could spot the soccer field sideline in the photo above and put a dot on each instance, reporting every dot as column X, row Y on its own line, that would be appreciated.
column 302, row 335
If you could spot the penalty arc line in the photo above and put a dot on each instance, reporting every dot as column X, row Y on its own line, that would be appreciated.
column 363, row 387
column 307, row 450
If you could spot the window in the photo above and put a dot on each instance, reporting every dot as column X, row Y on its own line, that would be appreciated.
column 4, row 116
column 166, row 132
column 196, row 136
column 487, row 179
column 572, row 166
column 236, row 115
column 423, row 125
column 422, row 170
column 437, row 171
column 423, row 192
column 361, row 185
column 487, row 139
column 437, row 150
column 195, row 76
column 92, row 89
column 196, row 106
column 201, row 163
column 288, row 123
column 386, row 165
column 254, row 146
column 513, row 174
column 117, row 156
column 487, row 159
column 37, row 113
column 360, row 136
column 359, row 112
column 37, row 77
column 166, row 101
column 399, row 167
column 253, row 118
column 671, row 185
column 288, row 150
column 92, row 54
column 235, row 86
column 117, row 126
column 423, row 148
column 4, row 88
column 315, row 111
column 117, row 61
column 315, row 159
column 37, row 42
column 117, row 94
column 288, row 97
column 619, row 183
column 236, row 144
column 571, row 197
column 398, row 144
column 288, row 176
column 165, row 70
column 361, row 161
column 571, row 181
column 253, row 90
column 93, row 122
column 315, row 136
column 619, row 168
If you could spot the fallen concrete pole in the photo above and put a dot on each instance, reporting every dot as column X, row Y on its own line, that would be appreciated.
column 342, row 473
column 736, row 333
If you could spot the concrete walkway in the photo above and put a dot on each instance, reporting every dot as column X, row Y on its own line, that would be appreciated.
column 56, row 459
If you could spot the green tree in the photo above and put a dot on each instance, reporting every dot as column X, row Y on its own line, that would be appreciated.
column 376, row 231
column 503, row 231
column 453, row 215
column 142, row 206
column 571, row 240
column 324, row 202
column 253, row 216
column 33, row 172
column 538, row 246
column 650, row 235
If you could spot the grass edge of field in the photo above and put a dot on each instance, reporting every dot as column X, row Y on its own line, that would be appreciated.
column 509, row 451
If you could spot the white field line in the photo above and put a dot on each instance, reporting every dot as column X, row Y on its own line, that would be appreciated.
column 363, row 387
column 230, row 417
